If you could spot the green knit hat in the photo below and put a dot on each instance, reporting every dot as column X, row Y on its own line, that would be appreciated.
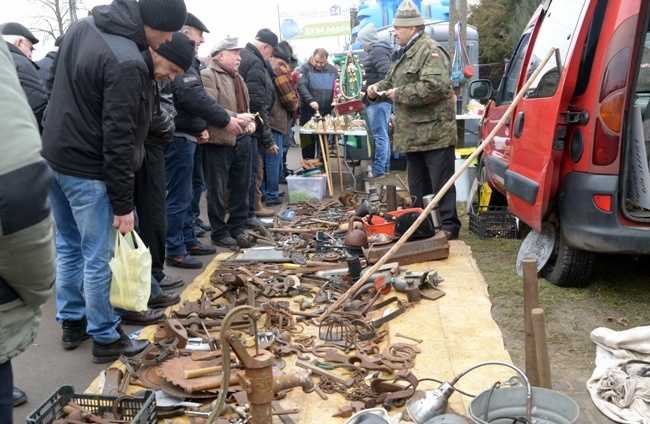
column 407, row 15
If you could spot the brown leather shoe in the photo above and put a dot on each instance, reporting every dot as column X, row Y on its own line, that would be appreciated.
column 164, row 300
column 263, row 212
column 148, row 317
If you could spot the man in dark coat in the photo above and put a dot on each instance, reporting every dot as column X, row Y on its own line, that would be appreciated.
column 45, row 64
column 195, row 111
column 93, row 138
column 254, row 70
column 316, row 90
column 20, row 41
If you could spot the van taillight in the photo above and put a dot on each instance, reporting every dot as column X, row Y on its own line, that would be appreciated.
column 612, row 97
column 611, row 111
column 605, row 145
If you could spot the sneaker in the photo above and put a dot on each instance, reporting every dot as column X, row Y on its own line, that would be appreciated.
column 255, row 223
column 379, row 176
column 19, row 396
column 272, row 203
column 243, row 241
column 183, row 261
column 281, row 193
column 109, row 352
column 74, row 332
column 170, row 282
column 201, row 249
column 198, row 231
column 199, row 223
column 225, row 242
column 264, row 213
column 164, row 300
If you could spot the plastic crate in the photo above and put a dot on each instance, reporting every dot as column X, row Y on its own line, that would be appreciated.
column 140, row 410
column 493, row 222
column 302, row 189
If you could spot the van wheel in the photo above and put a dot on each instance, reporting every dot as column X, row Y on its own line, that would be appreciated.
column 568, row 267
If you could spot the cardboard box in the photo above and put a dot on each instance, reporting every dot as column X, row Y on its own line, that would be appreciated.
column 302, row 189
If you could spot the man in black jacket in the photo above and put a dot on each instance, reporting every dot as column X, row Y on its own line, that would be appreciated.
column 93, row 138
column 376, row 65
column 21, row 42
column 254, row 70
column 45, row 64
column 195, row 110
column 316, row 90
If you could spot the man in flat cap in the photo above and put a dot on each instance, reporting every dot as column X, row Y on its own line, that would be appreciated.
column 226, row 157
column 103, row 81
column 284, row 107
column 260, row 88
column 20, row 41
column 195, row 111
column 420, row 87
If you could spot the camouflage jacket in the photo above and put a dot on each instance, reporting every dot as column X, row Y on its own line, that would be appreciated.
column 425, row 112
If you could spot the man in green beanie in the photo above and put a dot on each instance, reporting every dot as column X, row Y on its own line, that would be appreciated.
column 420, row 87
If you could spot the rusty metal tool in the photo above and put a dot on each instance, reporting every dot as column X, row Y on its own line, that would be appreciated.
column 408, row 337
column 320, row 371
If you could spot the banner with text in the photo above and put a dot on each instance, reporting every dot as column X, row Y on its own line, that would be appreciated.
column 314, row 19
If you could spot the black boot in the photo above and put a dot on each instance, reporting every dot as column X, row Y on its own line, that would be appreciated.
column 74, row 332
column 123, row 346
column 20, row 397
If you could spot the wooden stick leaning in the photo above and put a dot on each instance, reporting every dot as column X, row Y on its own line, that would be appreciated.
column 364, row 278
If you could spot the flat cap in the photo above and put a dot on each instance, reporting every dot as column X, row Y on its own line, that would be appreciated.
column 228, row 43
column 14, row 28
column 281, row 53
column 195, row 22
column 267, row 36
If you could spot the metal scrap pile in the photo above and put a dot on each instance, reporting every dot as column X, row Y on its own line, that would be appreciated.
column 270, row 306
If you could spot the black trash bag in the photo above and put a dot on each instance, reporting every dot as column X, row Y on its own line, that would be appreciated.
column 404, row 222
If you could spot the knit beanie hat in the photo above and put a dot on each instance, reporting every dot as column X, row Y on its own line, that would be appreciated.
column 180, row 50
column 368, row 35
column 163, row 15
column 407, row 15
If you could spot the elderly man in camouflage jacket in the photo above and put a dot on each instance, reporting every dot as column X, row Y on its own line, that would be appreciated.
column 425, row 121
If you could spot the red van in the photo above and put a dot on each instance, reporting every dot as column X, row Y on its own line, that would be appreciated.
column 572, row 158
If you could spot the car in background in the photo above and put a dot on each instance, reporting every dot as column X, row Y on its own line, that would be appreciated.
column 572, row 158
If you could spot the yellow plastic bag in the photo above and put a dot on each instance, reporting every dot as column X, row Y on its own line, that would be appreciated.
column 131, row 266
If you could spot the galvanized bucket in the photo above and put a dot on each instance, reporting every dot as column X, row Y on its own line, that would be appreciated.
column 549, row 407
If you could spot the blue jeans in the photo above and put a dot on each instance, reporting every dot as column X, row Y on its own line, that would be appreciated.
column 253, row 176
column 273, row 166
column 85, row 242
column 378, row 115
column 179, row 162
column 198, row 183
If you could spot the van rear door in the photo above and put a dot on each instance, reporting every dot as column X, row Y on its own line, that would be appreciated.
column 538, row 128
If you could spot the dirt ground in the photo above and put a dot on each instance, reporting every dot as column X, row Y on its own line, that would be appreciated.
column 617, row 298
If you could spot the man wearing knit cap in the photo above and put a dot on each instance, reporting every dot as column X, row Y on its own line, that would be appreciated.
column 376, row 65
column 227, row 158
column 103, row 81
column 195, row 111
column 20, row 42
column 420, row 87
column 254, row 70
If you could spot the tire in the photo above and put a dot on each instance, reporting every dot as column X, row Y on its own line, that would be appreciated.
column 568, row 267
